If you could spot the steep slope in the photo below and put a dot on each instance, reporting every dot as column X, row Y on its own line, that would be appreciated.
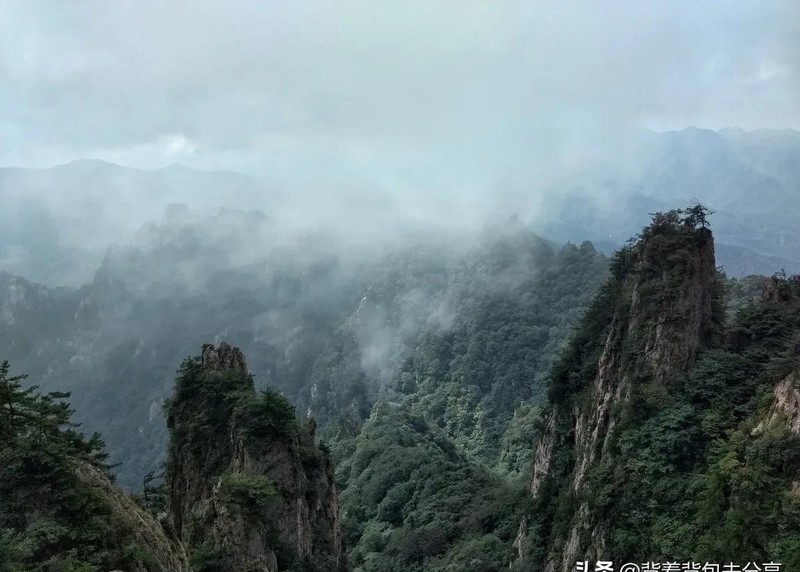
column 248, row 488
column 654, row 314
column 330, row 327
column 480, row 379
column 433, row 479
column 413, row 502
column 115, row 342
column 670, row 437
column 59, row 508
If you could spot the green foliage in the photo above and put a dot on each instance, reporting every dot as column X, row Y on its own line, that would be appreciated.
column 252, row 493
column 576, row 365
column 749, row 493
column 516, row 450
column 206, row 558
column 413, row 502
column 485, row 554
column 154, row 493
column 698, row 467
column 205, row 408
column 266, row 415
column 470, row 378
column 50, row 518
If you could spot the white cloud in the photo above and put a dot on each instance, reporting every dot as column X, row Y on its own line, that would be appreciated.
column 429, row 94
column 178, row 145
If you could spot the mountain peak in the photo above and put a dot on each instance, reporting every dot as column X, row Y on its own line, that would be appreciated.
column 88, row 165
column 648, row 324
column 223, row 358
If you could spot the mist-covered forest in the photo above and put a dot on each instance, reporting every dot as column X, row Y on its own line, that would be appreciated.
column 426, row 287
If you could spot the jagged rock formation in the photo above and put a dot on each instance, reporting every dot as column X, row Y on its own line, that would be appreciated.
column 222, row 359
column 248, row 488
column 784, row 293
column 653, row 316
column 786, row 404
column 780, row 290
column 673, row 431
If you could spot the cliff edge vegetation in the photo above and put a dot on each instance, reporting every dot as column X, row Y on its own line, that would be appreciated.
column 672, row 431
column 248, row 488
column 59, row 508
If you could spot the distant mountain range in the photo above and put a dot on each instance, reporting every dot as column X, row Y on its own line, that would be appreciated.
column 751, row 180
column 429, row 360
column 56, row 224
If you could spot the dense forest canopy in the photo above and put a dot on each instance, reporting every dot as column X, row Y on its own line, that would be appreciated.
column 699, row 455
column 350, row 286
column 486, row 351
column 333, row 331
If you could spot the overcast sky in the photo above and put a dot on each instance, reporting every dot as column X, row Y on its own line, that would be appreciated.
column 421, row 93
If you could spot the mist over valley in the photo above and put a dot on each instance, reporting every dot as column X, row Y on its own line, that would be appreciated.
column 425, row 287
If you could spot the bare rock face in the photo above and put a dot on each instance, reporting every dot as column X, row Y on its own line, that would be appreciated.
column 249, row 488
column 300, row 515
column 786, row 394
column 681, row 322
column 663, row 315
column 787, row 401
column 223, row 358
column 544, row 452
column 785, row 405
column 521, row 540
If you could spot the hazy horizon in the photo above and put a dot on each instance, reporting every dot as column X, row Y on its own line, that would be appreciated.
column 200, row 167
column 454, row 96
column 371, row 119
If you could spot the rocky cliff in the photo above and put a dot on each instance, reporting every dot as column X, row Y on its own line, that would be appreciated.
column 673, row 430
column 248, row 487
column 645, row 328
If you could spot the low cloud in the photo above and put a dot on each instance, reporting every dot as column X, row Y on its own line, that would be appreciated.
column 416, row 94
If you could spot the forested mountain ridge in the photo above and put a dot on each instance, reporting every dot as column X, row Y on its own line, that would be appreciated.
column 433, row 372
column 59, row 222
column 59, row 507
column 334, row 330
column 246, row 486
column 482, row 343
column 671, row 432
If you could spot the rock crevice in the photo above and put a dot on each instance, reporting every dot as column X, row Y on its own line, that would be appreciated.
column 248, row 485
